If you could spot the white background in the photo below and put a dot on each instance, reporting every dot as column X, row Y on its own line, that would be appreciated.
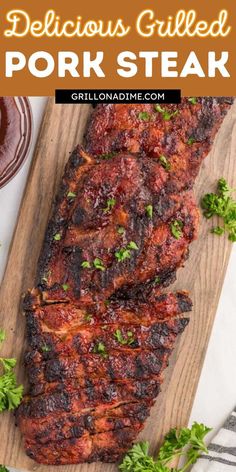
column 216, row 394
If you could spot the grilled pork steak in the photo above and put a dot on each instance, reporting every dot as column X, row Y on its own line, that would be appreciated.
column 99, row 329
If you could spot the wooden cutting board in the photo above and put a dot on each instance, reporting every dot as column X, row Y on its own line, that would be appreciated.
column 203, row 275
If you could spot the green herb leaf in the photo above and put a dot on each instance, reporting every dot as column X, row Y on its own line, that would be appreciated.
column 71, row 195
column 121, row 230
column 107, row 155
column 157, row 280
column 86, row 265
column 57, row 237
column 124, row 341
column 176, row 229
column 10, row 393
column 221, row 204
column 144, row 116
column 45, row 348
column 65, row 287
column 164, row 162
column 149, row 211
column 132, row 245
column 186, row 442
column 87, row 317
column 8, row 364
column 3, row 468
column 167, row 115
column 193, row 100
column 191, row 141
column 110, row 204
column 218, row 230
column 100, row 348
column 123, row 254
column 98, row 264
column 2, row 335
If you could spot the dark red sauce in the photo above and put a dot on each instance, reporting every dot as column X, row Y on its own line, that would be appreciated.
column 15, row 135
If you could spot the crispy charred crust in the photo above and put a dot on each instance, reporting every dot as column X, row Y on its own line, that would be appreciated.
column 105, row 447
column 74, row 424
column 115, row 366
column 66, row 398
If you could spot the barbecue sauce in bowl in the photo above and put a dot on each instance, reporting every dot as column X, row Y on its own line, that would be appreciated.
column 15, row 135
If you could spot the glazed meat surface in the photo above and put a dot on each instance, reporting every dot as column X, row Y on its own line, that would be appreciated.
column 104, row 238
column 100, row 330
column 182, row 133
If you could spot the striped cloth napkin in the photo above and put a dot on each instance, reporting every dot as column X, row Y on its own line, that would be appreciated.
column 222, row 450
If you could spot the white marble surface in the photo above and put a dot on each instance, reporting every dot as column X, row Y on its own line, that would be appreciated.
column 216, row 394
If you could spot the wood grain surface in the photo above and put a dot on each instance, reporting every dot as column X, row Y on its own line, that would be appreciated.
column 203, row 275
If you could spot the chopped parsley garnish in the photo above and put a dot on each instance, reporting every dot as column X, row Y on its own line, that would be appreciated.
column 167, row 115
column 193, row 100
column 121, row 230
column 10, row 393
column 98, row 264
column 86, row 265
column 71, row 195
column 45, row 348
column 57, row 237
column 110, row 204
column 132, row 245
column 191, row 141
column 221, row 204
column 164, row 162
column 149, row 211
column 100, row 348
column 157, row 280
column 87, row 317
column 185, row 442
column 176, row 229
column 124, row 341
column 144, row 116
column 124, row 252
column 65, row 287
column 107, row 302
column 107, row 155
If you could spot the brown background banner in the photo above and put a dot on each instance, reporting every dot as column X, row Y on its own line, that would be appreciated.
column 23, row 83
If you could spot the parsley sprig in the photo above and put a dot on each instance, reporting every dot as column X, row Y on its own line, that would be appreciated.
column 223, row 205
column 187, row 442
column 10, row 392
